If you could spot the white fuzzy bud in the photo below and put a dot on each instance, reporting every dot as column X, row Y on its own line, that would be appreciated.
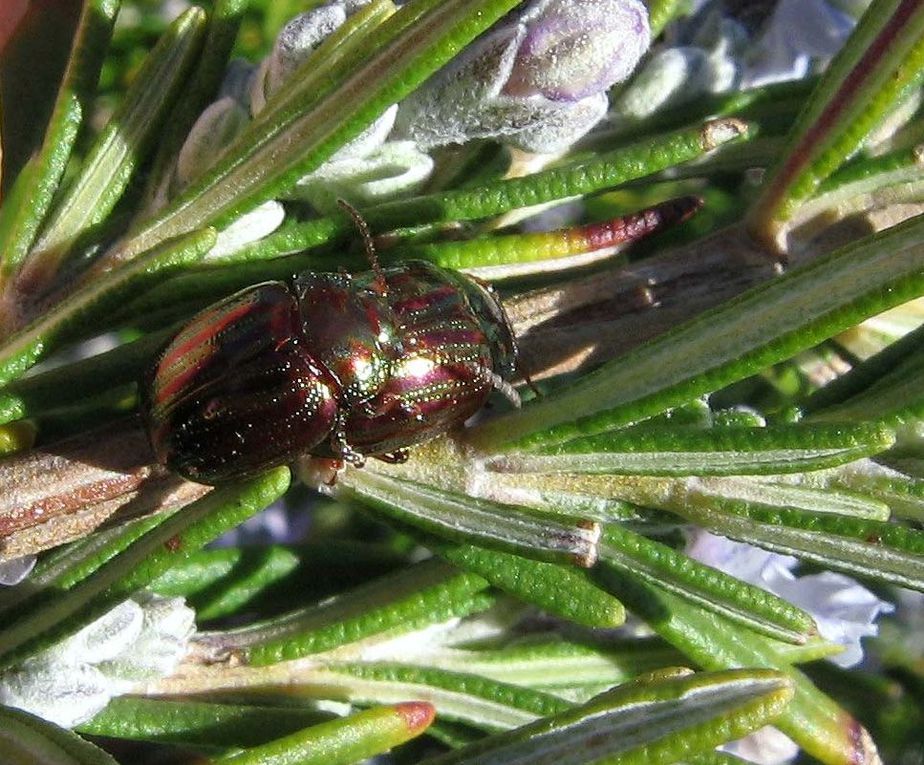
column 216, row 127
column 393, row 169
column 248, row 228
column 140, row 639
column 297, row 41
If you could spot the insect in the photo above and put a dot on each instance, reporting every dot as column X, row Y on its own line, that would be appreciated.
column 329, row 365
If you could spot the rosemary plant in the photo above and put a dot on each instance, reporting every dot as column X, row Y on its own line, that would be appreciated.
column 706, row 228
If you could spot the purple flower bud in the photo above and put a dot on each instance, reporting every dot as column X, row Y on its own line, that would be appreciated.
column 576, row 49
column 537, row 81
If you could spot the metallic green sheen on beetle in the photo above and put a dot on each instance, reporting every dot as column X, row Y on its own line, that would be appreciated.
column 329, row 365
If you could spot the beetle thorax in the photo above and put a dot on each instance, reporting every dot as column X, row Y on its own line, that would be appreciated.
column 351, row 330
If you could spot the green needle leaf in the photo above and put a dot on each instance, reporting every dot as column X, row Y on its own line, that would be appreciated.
column 505, row 256
column 344, row 741
column 705, row 586
column 558, row 589
column 427, row 593
column 465, row 519
column 646, row 721
column 119, row 148
column 219, row 582
column 584, row 176
column 197, row 723
column 734, row 340
column 664, row 450
column 31, row 195
column 879, row 65
column 905, row 496
column 29, row 740
column 554, row 664
column 74, row 315
column 660, row 12
column 52, row 618
column 458, row 696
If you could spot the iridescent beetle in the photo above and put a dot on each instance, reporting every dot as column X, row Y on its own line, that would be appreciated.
column 329, row 365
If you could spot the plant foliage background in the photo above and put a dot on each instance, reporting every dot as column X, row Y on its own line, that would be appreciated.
column 713, row 488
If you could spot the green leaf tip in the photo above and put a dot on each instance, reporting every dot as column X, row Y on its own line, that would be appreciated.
column 343, row 741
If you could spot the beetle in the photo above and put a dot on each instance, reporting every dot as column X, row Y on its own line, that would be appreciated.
column 330, row 365
column 341, row 366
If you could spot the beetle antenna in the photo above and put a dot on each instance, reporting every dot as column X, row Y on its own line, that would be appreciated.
column 368, row 243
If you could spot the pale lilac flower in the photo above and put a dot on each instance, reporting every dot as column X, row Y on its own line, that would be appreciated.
column 767, row 746
column 286, row 521
column 14, row 571
column 295, row 42
column 537, row 82
column 843, row 609
column 799, row 33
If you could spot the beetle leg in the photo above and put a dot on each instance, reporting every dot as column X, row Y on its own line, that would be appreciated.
column 505, row 389
column 397, row 457
column 347, row 454
column 499, row 384
column 317, row 472
column 339, row 445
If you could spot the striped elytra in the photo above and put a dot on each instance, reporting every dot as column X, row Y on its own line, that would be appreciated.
column 235, row 392
column 333, row 365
